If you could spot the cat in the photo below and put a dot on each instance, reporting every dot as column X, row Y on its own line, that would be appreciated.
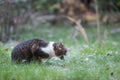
column 36, row 49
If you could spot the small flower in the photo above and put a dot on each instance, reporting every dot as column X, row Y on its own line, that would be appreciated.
column 109, row 53
column 86, row 59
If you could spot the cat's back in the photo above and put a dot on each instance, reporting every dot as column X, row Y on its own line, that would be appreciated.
column 24, row 44
column 28, row 44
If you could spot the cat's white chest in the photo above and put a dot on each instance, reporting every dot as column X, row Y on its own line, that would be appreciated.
column 49, row 49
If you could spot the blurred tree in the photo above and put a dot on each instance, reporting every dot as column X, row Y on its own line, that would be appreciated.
column 108, row 5
column 44, row 6
column 14, row 12
column 6, row 20
column 9, row 13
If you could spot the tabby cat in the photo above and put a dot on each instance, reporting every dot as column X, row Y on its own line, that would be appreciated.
column 36, row 49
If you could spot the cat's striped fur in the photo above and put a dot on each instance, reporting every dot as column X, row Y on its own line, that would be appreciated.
column 37, row 49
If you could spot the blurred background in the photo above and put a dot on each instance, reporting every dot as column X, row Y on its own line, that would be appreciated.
column 18, row 16
column 89, row 29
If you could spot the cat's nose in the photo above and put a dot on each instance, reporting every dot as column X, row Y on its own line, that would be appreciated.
column 65, row 51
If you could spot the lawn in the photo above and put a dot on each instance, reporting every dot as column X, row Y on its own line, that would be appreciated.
column 84, row 62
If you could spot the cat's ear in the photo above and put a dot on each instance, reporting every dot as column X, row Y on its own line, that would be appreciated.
column 58, row 45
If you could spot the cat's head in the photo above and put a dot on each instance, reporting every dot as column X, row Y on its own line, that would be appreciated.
column 60, row 50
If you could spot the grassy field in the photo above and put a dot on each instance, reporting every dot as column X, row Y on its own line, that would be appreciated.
column 84, row 62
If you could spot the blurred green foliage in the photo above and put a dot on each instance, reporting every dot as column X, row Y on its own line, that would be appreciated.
column 43, row 5
column 40, row 5
column 109, row 5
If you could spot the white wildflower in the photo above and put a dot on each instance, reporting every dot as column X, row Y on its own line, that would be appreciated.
column 86, row 59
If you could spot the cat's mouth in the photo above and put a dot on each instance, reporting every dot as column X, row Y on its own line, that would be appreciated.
column 61, row 56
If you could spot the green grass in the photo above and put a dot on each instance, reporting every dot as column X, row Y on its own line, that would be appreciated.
column 84, row 62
